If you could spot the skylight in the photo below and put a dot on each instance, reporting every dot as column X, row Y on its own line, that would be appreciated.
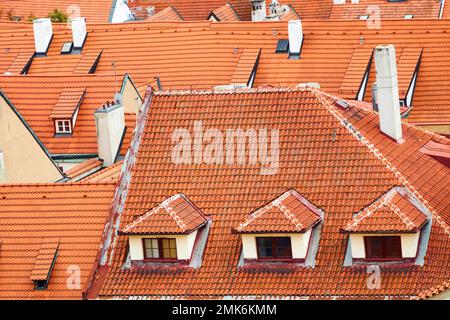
column 282, row 46
column 66, row 48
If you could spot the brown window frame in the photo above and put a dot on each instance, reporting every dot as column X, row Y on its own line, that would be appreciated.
column 160, row 250
column 274, row 249
column 384, row 248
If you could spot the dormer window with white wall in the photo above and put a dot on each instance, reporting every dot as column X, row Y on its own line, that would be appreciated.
column 392, row 229
column 285, row 230
column 65, row 111
column 173, row 232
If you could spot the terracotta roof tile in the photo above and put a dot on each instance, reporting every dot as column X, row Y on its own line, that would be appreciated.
column 356, row 70
column 247, row 63
column 393, row 212
column 21, row 61
column 175, row 215
column 88, row 62
column 94, row 11
column 109, row 174
column 45, row 259
column 290, row 212
column 226, row 13
column 84, row 168
column 408, row 61
column 326, row 154
column 31, row 214
column 68, row 103
column 167, row 14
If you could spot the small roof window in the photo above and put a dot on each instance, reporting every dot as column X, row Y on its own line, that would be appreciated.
column 408, row 16
column 282, row 46
column 67, row 48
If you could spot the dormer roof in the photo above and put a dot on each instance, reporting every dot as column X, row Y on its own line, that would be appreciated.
column 290, row 212
column 394, row 212
column 175, row 215
column 45, row 260
column 68, row 103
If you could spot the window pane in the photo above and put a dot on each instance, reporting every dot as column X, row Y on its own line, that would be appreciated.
column 169, row 248
column 151, row 248
column 264, row 246
column 392, row 247
column 284, row 247
column 387, row 247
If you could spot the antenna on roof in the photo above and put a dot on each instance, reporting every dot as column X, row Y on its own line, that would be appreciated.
column 113, row 64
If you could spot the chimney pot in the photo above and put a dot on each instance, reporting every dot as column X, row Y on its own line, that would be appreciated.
column 43, row 33
column 78, row 32
column 387, row 96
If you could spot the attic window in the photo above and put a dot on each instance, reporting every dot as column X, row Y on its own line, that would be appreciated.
column 65, row 111
column 282, row 46
column 160, row 248
column 408, row 16
column 383, row 247
column 67, row 48
column 63, row 126
column 364, row 17
column 274, row 247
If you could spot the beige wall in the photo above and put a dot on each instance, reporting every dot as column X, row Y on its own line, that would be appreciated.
column 441, row 129
column 185, row 244
column 25, row 161
column 299, row 244
column 130, row 96
column 410, row 242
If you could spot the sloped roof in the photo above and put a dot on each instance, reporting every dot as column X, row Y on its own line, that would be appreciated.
column 94, row 11
column 195, row 10
column 175, row 215
column 201, row 55
column 290, row 212
column 226, row 13
column 108, row 174
column 394, row 212
column 167, row 14
column 329, row 155
column 84, row 168
column 31, row 214
column 35, row 98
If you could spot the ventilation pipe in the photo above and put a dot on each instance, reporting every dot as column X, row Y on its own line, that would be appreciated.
column 43, row 33
column 387, row 96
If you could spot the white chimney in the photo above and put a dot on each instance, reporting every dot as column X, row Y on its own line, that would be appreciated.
column 258, row 10
column 387, row 91
column 295, row 32
column 2, row 168
column 43, row 33
column 339, row 1
column 78, row 32
column 110, row 122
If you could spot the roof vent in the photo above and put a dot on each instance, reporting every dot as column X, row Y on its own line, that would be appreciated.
column 79, row 33
column 295, row 31
column 342, row 104
column 43, row 33
column 66, row 48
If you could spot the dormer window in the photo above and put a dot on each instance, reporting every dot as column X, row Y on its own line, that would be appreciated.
column 388, row 230
column 280, row 231
column 65, row 111
column 63, row 126
column 168, row 233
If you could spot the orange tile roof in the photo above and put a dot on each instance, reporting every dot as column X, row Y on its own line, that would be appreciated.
column 94, row 11
column 32, row 213
column 195, row 10
column 393, row 212
column 35, row 98
column 226, row 13
column 167, row 14
column 290, row 212
column 109, row 174
column 88, row 61
column 248, row 61
column 175, row 215
column 45, row 260
column 168, row 50
column 68, row 103
column 336, row 158
column 84, row 167
column 22, row 59
column 355, row 72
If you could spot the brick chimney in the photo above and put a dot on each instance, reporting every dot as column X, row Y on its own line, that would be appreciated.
column 110, row 122
column 387, row 91
column 43, row 33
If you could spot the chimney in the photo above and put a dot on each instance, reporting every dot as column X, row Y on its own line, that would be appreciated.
column 258, row 10
column 295, row 31
column 2, row 168
column 78, row 32
column 110, row 122
column 387, row 91
column 43, row 33
column 339, row 1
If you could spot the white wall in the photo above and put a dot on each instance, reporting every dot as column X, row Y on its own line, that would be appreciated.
column 299, row 243
column 410, row 242
column 185, row 245
column 121, row 12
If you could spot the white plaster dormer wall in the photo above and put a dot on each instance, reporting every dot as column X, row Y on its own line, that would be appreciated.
column 185, row 245
column 409, row 242
column 299, row 244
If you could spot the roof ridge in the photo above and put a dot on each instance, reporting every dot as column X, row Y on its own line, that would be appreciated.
column 278, row 203
column 169, row 92
column 360, row 137
column 53, row 184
